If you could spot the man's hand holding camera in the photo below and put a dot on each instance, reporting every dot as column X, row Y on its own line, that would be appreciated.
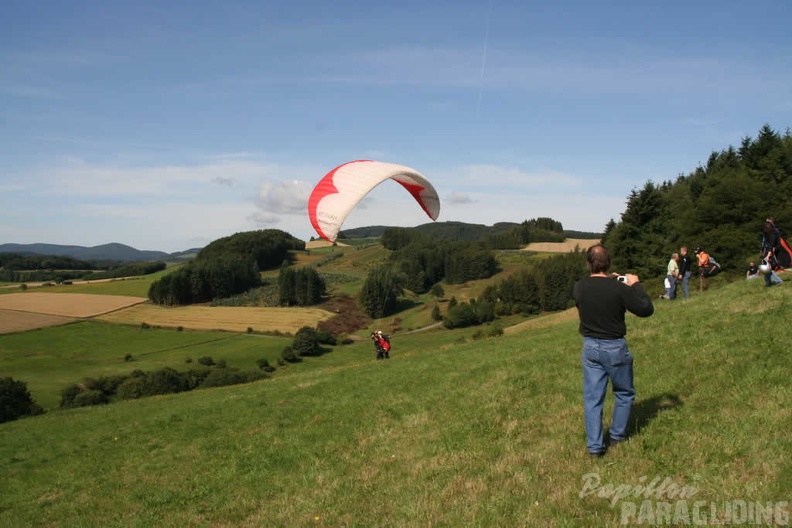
column 628, row 278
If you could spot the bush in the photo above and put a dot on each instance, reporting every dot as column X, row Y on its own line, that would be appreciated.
column 264, row 365
column 145, row 325
column 207, row 361
column 326, row 338
column 68, row 394
column 133, row 388
column 89, row 397
column 493, row 330
column 15, row 400
column 306, row 342
column 128, row 357
column 107, row 384
column 222, row 377
column 289, row 355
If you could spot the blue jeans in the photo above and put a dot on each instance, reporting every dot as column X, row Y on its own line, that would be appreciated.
column 772, row 278
column 605, row 359
column 686, row 283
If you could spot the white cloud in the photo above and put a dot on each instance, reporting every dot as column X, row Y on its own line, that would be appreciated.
column 284, row 197
column 75, row 177
column 460, row 198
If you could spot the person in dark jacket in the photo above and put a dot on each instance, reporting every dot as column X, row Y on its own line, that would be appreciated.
column 685, row 270
column 771, row 245
column 602, row 301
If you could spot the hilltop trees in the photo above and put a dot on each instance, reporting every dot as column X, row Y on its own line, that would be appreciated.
column 267, row 247
column 226, row 267
column 719, row 206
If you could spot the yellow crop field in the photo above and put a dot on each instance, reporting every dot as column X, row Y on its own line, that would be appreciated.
column 14, row 321
column 561, row 247
column 66, row 304
column 231, row 318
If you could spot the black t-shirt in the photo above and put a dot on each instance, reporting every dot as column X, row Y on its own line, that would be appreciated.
column 685, row 263
column 753, row 270
column 602, row 303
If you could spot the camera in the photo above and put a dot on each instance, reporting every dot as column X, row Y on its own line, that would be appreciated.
column 621, row 278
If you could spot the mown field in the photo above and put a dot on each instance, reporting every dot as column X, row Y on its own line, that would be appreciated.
column 232, row 319
column 449, row 432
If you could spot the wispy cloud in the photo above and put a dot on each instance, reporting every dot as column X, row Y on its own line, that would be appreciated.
column 285, row 197
column 76, row 177
column 460, row 199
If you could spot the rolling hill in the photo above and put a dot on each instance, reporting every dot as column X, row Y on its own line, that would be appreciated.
column 113, row 252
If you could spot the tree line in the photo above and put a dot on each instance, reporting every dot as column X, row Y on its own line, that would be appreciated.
column 720, row 206
column 28, row 268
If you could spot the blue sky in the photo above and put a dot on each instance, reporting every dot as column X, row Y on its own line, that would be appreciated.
column 166, row 125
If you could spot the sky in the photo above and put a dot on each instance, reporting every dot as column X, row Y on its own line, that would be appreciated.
column 166, row 125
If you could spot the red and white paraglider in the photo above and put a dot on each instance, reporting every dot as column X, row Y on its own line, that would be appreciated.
column 343, row 187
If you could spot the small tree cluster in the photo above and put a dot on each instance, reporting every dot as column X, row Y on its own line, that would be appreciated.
column 469, row 314
column 15, row 400
column 202, row 281
column 381, row 290
column 300, row 287
column 307, row 342
column 547, row 287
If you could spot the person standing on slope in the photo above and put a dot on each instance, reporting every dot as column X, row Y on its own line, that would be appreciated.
column 685, row 270
column 602, row 301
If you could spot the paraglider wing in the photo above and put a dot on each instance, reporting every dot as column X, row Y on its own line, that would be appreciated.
column 343, row 187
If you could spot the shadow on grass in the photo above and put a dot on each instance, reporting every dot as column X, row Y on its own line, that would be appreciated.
column 644, row 411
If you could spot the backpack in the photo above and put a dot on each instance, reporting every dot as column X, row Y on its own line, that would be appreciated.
column 713, row 269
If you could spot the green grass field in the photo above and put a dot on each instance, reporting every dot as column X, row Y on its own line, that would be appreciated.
column 449, row 432
column 49, row 359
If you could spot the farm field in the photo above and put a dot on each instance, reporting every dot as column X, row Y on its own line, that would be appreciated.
column 16, row 321
column 561, row 247
column 230, row 318
column 66, row 305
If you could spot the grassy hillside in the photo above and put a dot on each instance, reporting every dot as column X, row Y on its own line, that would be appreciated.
column 449, row 432
column 52, row 358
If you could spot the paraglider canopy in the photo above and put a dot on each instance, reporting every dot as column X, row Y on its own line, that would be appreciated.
column 342, row 188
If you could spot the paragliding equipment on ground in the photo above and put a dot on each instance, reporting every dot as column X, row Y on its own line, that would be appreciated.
column 342, row 188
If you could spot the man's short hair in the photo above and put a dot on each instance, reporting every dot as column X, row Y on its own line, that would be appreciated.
column 598, row 259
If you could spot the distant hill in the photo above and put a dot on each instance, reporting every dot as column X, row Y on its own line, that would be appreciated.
column 455, row 231
column 113, row 251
